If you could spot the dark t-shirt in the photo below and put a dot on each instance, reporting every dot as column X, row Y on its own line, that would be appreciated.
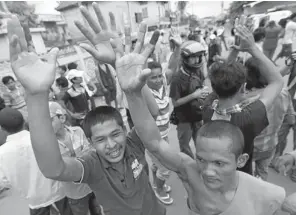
column 213, row 50
column 183, row 85
column 252, row 120
column 78, row 98
column 130, row 194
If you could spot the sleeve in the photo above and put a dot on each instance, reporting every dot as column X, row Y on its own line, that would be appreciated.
column 135, row 141
column 7, row 99
column 289, row 204
column 258, row 116
column 91, row 166
column 277, row 197
column 175, row 90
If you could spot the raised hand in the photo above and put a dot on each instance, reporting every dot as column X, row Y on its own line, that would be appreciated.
column 35, row 75
column 246, row 39
column 175, row 37
column 101, row 48
column 129, row 67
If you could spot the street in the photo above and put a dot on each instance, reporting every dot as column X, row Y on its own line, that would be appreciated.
column 14, row 205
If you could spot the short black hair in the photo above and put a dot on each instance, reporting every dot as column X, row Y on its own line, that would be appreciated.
column 100, row 115
column 283, row 22
column 64, row 68
column 220, row 129
column 72, row 66
column 259, row 34
column 154, row 65
column 6, row 79
column 11, row 120
column 254, row 77
column 62, row 82
column 227, row 78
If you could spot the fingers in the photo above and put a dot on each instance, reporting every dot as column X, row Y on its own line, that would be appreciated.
column 151, row 46
column 119, row 53
column 140, row 37
column 242, row 20
column 14, row 48
column 113, row 25
column 91, row 50
column 85, row 31
column 128, row 42
column 99, row 16
column 92, row 22
column 52, row 56
column 14, row 28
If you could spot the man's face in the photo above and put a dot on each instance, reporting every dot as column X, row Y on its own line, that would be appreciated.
column 58, row 122
column 109, row 140
column 195, row 59
column 216, row 163
column 11, row 85
column 155, row 81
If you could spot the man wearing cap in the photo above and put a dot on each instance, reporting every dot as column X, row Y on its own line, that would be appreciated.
column 78, row 96
column 19, row 169
column 187, row 93
column 72, row 143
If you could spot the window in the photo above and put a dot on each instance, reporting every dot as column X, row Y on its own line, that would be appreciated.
column 144, row 12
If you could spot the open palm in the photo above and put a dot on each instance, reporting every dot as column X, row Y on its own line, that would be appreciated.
column 35, row 75
column 129, row 68
column 101, row 48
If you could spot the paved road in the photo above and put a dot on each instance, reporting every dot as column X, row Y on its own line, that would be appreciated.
column 13, row 205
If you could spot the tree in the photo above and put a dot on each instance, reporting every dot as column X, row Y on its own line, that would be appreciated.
column 27, row 17
column 181, row 6
column 236, row 9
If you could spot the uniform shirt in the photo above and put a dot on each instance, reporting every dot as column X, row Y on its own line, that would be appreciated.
column 19, row 170
column 79, row 145
column 122, row 194
column 254, row 197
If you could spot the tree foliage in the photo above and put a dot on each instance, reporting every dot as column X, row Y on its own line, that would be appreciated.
column 237, row 8
column 24, row 11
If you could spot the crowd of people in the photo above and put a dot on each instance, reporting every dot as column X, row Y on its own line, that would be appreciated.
column 78, row 146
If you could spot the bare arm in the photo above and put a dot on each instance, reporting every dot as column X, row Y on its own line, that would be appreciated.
column 150, row 101
column 183, row 100
column 285, row 70
column 173, row 64
column 271, row 74
column 45, row 144
column 150, row 135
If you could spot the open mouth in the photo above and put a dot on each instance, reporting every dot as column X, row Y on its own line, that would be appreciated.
column 115, row 153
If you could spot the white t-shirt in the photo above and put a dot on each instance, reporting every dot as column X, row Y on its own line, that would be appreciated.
column 290, row 34
column 19, row 170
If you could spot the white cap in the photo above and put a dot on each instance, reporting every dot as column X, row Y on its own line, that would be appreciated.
column 74, row 73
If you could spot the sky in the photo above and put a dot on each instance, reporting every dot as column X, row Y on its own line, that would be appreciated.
column 204, row 8
column 199, row 8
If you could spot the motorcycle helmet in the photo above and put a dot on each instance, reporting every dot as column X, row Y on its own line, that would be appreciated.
column 190, row 49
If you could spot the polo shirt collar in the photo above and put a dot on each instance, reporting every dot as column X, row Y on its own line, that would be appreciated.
column 17, row 136
column 127, row 155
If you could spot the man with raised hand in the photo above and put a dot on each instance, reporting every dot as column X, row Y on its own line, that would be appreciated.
column 211, row 180
column 115, row 168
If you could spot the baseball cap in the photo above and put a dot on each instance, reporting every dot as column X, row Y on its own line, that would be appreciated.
column 10, row 118
column 56, row 109
column 74, row 73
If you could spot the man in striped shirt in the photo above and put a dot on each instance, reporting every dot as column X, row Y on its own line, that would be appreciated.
column 157, row 84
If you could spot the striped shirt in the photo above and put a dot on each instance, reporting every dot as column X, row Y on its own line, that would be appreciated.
column 15, row 98
column 162, row 100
